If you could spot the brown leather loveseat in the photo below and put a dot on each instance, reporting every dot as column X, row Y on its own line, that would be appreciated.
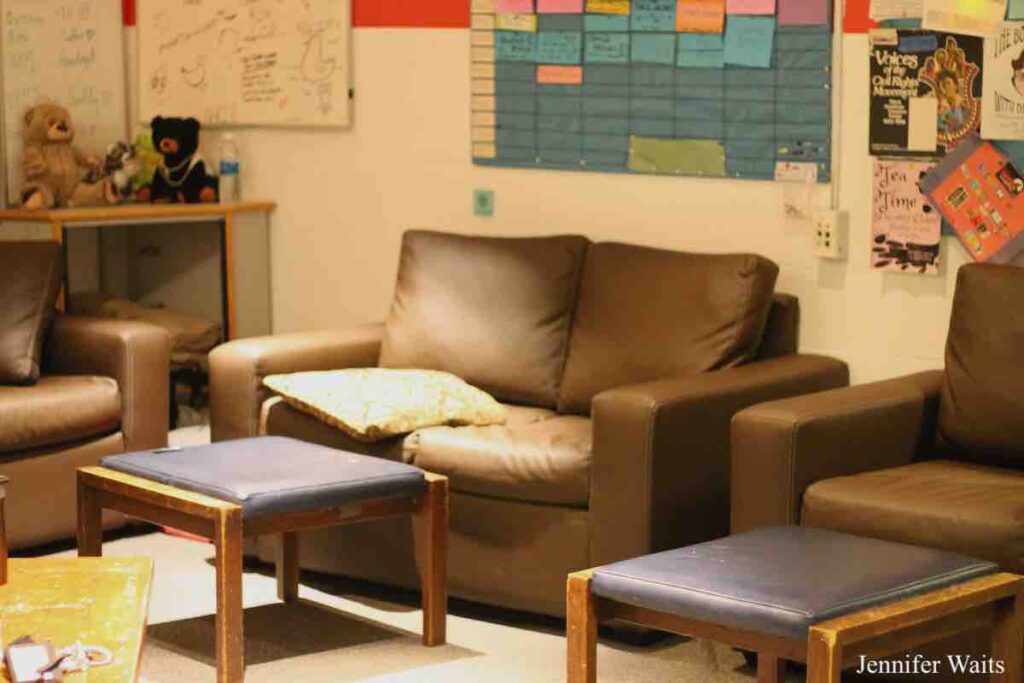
column 103, row 390
column 622, row 366
column 933, row 459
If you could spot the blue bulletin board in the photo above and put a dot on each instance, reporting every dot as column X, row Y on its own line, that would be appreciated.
column 563, row 86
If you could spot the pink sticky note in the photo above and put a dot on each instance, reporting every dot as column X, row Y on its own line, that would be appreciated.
column 513, row 6
column 804, row 12
column 553, row 74
column 750, row 6
column 559, row 6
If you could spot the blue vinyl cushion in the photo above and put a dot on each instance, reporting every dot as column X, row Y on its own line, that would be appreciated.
column 781, row 580
column 270, row 475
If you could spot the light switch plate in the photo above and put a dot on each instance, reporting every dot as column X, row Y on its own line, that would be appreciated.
column 483, row 203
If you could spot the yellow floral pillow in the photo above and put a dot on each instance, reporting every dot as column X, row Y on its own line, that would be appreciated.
column 371, row 404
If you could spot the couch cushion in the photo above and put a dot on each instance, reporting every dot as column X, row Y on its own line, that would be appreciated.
column 966, row 508
column 58, row 409
column 30, row 276
column 536, row 457
column 495, row 312
column 983, row 394
column 645, row 314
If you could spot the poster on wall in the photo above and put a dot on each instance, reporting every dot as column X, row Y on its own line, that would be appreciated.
column 981, row 193
column 906, row 230
column 1002, row 112
column 925, row 91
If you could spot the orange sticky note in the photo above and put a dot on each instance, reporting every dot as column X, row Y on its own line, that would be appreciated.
column 701, row 16
column 551, row 74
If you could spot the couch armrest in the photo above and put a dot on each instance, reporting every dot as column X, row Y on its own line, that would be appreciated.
column 136, row 354
column 781, row 448
column 237, row 370
column 660, row 471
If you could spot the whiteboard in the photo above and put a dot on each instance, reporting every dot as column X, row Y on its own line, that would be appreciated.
column 245, row 62
column 68, row 51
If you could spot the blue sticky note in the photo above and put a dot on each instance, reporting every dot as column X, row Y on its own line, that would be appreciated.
column 653, row 15
column 701, row 51
column 654, row 48
column 607, row 48
column 515, row 46
column 1015, row 10
column 559, row 47
column 605, row 22
column 748, row 40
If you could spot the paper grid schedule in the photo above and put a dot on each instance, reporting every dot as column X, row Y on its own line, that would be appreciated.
column 632, row 86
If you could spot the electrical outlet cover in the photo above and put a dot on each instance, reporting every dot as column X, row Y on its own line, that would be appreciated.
column 483, row 203
column 830, row 234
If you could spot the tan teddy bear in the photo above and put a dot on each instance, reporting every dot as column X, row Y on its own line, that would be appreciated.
column 53, row 166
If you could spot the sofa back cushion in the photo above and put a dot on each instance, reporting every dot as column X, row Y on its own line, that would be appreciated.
column 494, row 311
column 645, row 314
column 981, row 411
column 30, row 277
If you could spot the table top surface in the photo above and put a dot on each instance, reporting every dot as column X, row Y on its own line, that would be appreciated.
column 125, row 212
column 97, row 600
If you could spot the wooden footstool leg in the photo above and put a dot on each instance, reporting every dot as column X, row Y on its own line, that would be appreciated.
column 288, row 566
column 90, row 520
column 824, row 657
column 432, row 549
column 1008, row 639
column 228, row 622
column 770, row 669
column 581, row 630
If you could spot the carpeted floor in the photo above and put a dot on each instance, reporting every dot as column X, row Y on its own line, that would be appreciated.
column 333, row 634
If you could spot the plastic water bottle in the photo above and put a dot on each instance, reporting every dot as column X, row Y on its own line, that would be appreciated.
column 230, row 165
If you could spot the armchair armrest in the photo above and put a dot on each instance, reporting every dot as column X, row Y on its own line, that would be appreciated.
column 237, row 370
column 135, row 354
column 781, row 448
column 660, row 470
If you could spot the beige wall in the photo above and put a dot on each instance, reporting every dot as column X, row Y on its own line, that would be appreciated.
column 346, row 196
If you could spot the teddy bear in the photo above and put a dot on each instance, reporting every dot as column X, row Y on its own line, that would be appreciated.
column 53, row 165
column 181, row 176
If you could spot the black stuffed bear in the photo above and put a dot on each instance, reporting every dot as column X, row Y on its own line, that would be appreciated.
column 181, row 177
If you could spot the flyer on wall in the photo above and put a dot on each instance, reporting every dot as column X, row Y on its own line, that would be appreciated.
column 980, row 192
column 1003, row 84
column 906, row 230
column 925, row 91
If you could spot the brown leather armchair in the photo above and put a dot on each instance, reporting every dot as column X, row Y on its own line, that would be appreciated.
column 621, row 367
column 103, row 389
column 933, row 459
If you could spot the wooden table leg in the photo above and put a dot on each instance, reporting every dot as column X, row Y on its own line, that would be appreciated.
column 228, row 622
column 288, row 566
column 432, row 551
column 1008, row 639
column 3, row 538
column 824, row 657
column 770, row 668
column 581, row 630
column 90, row 520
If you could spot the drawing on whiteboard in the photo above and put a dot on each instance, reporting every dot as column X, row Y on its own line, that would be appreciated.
column 246, row 61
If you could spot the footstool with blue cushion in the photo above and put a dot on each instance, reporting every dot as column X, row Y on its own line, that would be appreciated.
column 801, row 594
column 267, row 485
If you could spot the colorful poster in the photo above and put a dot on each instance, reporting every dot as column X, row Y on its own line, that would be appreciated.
column 972, row 17
column 1002, row 108
column 920, row 81
column 906, row 230
column 981, row 194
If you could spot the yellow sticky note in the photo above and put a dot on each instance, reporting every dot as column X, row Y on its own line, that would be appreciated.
column 608, row 6
column 700, row 16
column 517, row 22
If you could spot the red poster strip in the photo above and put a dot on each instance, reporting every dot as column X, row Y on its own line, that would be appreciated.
column 410, row 13
column 857, row 18
column 128, row 12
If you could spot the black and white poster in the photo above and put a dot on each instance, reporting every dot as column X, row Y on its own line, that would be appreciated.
column 1003, row 92
column 925, row 91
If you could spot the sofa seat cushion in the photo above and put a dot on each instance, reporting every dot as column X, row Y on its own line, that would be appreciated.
column 494, row 311
column 58, row 409
column 970, row 509
column 536, row 456
column 646, row 314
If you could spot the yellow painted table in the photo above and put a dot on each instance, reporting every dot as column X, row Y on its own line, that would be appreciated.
column 98, row 601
